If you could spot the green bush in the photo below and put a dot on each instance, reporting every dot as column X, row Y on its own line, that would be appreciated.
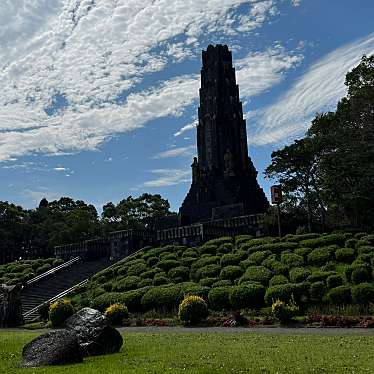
column 257, row 274
column 303, row 252
column 60, row 311
column 180, row 272
column 319, row 276
column 190, row 253
column 161, row 297
column 345, row 255
column 363, row 293
column 240, row 239
column 317, row 291
column 150, row 274
column 145, row 282
column 57, row 262
column 208, row 282
column 210, row 249
column 166, row 265
column 222, row 283
column 360, row 275
column 168, row 256
column 281, row 292
column 276, row 248
column 231, row 272
column 152, row 261
column 334, row 281
column 127, row 284
column 187, row 261
column 219, row 298
column 225, row 248
column 340, row 295
column 298, row 275
column 256, row 243
column 204, row 261
column 318, row 257
column 351, row 243
column 192, row 310
column 232, row 258
column 137, row 269
column 292, row 260
column 116, row 313
column 247, row 296
column 356, row 265
column 258, row 257
column 275, row 266
column 43, row 311
column 278, row 279
column 42, row 269
column 300, row 237
column 132, row 299
column 325, row 240
column 160, row 279
column 208, row 271
column 103, row 301
column 366, row 249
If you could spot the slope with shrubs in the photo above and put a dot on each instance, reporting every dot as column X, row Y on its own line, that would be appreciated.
column 242, row 272
column 24, row 270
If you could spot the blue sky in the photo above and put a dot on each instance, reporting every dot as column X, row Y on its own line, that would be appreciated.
column 99, row 97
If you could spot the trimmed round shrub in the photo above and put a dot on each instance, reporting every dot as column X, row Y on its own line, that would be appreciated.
column 247, row 296
column 166, row 265
column 303, row 252
column 160, row 279
column 145, row 282
column 191, row 288
column 43, row 311
column 232, row 258
column 192, row 310
column 204, row 261
column 60, row 311
column 187, row 261
column 324, row 240
column 151, row 261
column 222, row 283
column 298, row 275
column 137, row 269
column 258, row 257
column 127, row 284
column 292, row 260
column 317, row 291
column 190, row 253
column 132, row 299
column 240, row 239
column 219, row 298
column 275, row 266
column 231, row 272
column 351, row 243
column 207, row 282
column 161, row 297
column 345, row 255
column 168, row 256
column 334, row 281
column 103, row 301
column 258, row 274
column 225, row 248
column 319, row 276
column 208, row 271
column 360, row 275
column 340, row 295
column 365, row 250
column 180, row 272
column 318, row 257
column 210, row 249
column 363, row 293
column 278, row 279
column 150, row 274
column 57, row 262
column 281, row 292
column 116, row 313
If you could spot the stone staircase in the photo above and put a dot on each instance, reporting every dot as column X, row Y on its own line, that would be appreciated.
column 51, row 284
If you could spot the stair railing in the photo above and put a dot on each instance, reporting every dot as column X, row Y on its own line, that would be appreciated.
column 53, row 271
column 54, row 298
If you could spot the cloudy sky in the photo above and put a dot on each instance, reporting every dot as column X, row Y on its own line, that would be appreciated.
column 98, row 98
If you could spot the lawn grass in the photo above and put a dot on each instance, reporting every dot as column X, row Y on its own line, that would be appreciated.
column 162, row 352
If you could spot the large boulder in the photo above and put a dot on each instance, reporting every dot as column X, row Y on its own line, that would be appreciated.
column 95, row 335
column 54, row 348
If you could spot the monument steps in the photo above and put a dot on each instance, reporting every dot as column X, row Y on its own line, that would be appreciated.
column 45, row 289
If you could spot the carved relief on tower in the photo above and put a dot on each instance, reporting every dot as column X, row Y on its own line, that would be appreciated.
column 229, row 166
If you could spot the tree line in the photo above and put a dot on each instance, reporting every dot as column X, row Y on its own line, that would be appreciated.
column 34, row 233
column 328, row 175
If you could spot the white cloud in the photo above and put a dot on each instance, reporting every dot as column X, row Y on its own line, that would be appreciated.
column 189, row 126
column 168, row 177
column 318, row 90
column 85, row 54
column 35, row 195
column 176, row 152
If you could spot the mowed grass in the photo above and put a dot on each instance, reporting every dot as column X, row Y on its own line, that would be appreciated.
column 212, row 353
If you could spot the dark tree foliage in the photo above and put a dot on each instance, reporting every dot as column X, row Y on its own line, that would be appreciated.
column 35, row 233
column 330, row 172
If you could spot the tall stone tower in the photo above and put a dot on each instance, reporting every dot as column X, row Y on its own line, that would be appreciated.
column 224, row 180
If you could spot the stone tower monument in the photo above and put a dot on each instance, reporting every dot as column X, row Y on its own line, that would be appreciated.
column 224, row 183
